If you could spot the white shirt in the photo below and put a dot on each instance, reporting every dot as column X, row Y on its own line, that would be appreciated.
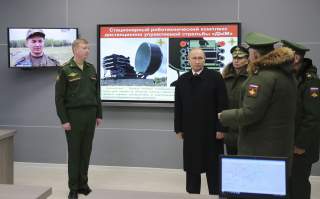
column 198, row 73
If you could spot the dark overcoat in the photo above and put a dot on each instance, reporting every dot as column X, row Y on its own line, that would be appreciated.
column 198, row 99
column 233, row 83
column 268, row 107
column 307, row 127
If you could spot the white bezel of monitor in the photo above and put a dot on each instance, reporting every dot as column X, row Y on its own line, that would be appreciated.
column 244, row 194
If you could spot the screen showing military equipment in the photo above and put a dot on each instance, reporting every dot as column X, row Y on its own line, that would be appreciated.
column 141, row 63
column 40, row 47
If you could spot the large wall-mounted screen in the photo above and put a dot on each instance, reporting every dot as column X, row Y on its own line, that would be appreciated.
column 140, row 63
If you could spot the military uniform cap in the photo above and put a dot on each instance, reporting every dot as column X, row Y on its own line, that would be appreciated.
column 256, row 39
column 32, row 32
column 239, row 51
column 295, row 46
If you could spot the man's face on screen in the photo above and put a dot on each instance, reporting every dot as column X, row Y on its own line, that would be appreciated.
column 36, row 45
column 197, row 59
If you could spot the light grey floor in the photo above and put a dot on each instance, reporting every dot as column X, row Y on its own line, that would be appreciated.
column 114, row 178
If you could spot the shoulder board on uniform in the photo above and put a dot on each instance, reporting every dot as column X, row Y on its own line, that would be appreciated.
column 311, row 76
column 89, row 64
column 53, row 59
column 65, row 63
column 23, row 62
column 256, row 71
column 21, row 59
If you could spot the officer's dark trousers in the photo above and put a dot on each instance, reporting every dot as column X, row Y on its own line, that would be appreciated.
column 231, row 149
column 300, row 184
column 231, row 142
column 193, row 184
column 83, row 121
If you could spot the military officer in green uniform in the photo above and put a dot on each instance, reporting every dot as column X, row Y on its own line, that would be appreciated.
column 266, row 120
column 79, row 109
column 35, row 41
column 234, row 74
column 307, row 126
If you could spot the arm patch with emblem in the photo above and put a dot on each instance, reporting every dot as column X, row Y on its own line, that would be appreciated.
column 314, row 92
column 253, row 90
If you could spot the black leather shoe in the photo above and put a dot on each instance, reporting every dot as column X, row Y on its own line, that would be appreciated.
column 73, row 195
column 84, row 191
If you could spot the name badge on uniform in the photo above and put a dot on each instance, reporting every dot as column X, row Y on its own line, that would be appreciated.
column 314, row 92
column 72, row 74
column 253, row 90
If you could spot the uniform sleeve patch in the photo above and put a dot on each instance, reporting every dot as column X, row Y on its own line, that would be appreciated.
column 314, row 92
column 253, row 90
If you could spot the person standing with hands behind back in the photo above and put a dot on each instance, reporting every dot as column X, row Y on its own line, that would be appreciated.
column 79, row 109
column 199, row 95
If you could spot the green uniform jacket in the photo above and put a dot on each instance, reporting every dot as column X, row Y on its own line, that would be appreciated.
column 307, row 129
column 45, row 60
column 268, row 107
column 76, row 88
column 233, row 83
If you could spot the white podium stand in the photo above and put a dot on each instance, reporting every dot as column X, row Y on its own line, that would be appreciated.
column 6, row 156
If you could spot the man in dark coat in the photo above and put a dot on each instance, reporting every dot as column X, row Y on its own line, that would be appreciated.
column 307, row 126
column 234, row 74
column 199, row 95
column 266, row 118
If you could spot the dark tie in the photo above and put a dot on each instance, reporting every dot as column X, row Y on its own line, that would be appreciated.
column 196, row 76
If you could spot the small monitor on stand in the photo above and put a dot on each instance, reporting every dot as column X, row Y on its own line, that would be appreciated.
column 253, row 177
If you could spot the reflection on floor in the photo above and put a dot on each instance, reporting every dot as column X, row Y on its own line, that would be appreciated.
column 117, row 178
